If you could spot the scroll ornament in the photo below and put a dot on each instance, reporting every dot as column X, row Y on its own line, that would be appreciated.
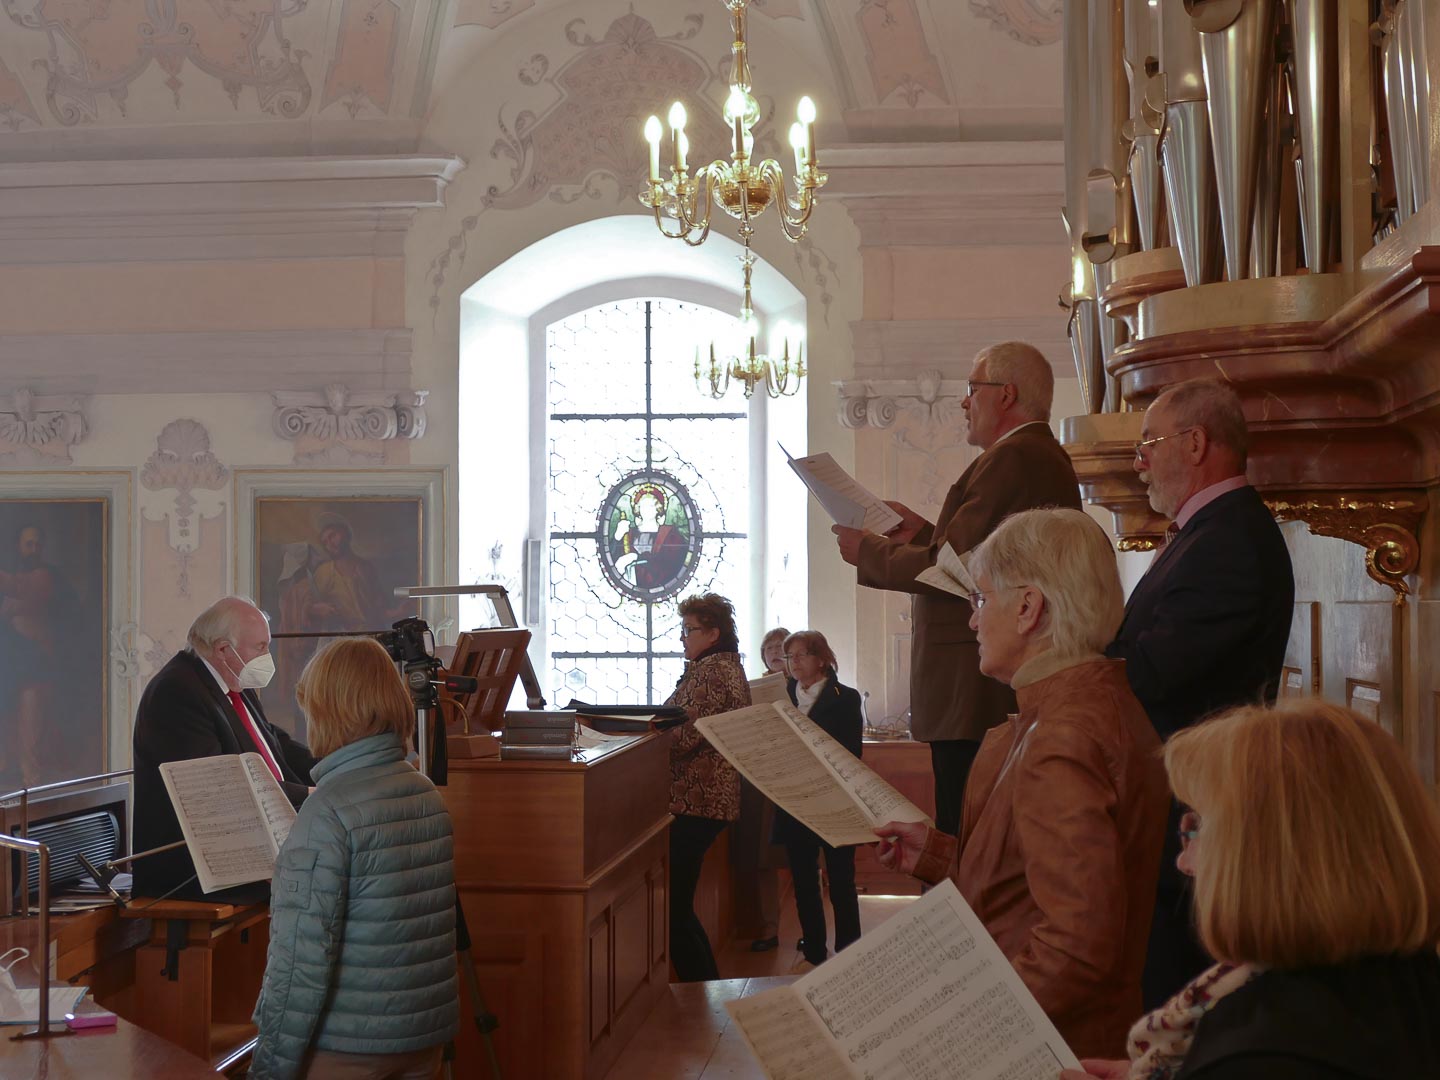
column 336, row 413
column 878, row 402
column 29, row 421
column 1385, row 527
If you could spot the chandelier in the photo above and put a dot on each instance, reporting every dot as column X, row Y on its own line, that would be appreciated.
column 743, row 188
column 749, row 368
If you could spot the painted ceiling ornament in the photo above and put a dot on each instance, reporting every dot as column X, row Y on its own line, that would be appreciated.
column 97, row 49
column 362, row 69
column 583, row 145
column 490, row 14
column 898, row 52
column 1030, row 22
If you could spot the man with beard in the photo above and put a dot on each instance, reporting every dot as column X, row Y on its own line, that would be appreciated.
column 1206, row 627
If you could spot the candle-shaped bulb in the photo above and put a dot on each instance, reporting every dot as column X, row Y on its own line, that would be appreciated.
column 797, row 140
column 653, row 133
column 683, row 146
column 677, row 116
column 806, row 111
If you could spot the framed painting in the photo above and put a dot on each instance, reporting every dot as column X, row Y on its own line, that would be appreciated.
column 323, row 553
column 64, row 607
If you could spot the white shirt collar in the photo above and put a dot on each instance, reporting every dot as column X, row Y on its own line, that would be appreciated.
column 214, row 674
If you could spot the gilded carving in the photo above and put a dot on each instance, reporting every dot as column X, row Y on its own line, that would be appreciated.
column 1385, row 527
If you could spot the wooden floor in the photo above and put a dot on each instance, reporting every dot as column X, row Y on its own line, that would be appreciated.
column 736, row 961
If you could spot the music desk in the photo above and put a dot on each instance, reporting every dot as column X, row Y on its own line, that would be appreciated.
column 122, row 1052
column 562, row 871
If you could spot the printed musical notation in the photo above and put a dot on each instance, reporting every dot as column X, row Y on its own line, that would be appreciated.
column 926, row 996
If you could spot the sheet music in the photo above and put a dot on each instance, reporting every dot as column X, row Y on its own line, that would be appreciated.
column 220, row 817
column 785, row 1036
column 590, row 739
column 929, row 995
column 768, row 689
column 275, row 805
column 949, row 574
column 805, row 774
column 842, row 496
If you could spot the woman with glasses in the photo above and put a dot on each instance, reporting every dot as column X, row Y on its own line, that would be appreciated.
column 1315, row 852
column 704, row 787
column 1064, row 815
column 817, row 692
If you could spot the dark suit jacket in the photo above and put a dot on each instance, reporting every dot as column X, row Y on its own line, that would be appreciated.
column 184, row 714
column 837, row 713
column 1206, row 627
column 949, row 698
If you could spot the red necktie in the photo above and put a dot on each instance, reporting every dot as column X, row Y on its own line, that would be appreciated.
column 260, row 744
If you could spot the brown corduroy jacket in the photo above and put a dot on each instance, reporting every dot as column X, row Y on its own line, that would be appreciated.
column 1059, row 849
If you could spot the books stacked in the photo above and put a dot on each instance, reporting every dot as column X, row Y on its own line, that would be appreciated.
column 537, row 736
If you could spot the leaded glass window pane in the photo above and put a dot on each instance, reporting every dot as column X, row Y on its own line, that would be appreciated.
column 648, row 495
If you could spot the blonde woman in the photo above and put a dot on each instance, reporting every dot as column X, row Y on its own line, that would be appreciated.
column 360, row 977
column 1064, row 814
column 1315, row 851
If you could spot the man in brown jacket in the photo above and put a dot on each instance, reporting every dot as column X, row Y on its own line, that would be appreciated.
column 1021, row 467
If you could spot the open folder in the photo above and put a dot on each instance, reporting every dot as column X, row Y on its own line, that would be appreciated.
column 842, row 496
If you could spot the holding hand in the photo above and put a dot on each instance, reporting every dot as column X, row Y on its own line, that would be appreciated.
column 901, row 843
column 910, row 523
column 1098, row 1069
column 849, row 540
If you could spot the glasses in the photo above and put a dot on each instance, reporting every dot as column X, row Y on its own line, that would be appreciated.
column 1189, row 827
column 790, row 658
column 979, row 599
column 1144, row 444
column 971, row 384
column 686, row 631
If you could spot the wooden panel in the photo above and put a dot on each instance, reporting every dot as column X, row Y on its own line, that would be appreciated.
column 1364, row 698
column 634, row 788
column 905, row 765
column 1363, row 642
column 1300, row 676
column 124, row 1052
column 598, row 975
column 631, row 919
column 658, row 878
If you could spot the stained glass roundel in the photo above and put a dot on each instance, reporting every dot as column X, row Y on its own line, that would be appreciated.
column 649, row 533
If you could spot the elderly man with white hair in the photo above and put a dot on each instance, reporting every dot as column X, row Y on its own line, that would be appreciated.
column 1021, row 467
column 1059, row 847
column 202, row 703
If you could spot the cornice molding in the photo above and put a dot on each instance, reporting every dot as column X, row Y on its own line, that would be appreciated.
column 899, row 348
column 257, row 361
column 215, row 208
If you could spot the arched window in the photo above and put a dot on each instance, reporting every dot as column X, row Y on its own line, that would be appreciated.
column 648, row 497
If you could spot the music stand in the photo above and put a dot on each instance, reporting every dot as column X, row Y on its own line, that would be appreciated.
column 499, row 599
column 493, row 658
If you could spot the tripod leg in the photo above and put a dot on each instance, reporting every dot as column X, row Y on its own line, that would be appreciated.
column 485, row 1021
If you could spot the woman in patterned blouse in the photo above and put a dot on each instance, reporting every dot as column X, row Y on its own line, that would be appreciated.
column 704, row 787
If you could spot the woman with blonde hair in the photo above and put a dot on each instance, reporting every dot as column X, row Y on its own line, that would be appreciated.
column 1064, row 814
column 360, row 976
column 1315, row 850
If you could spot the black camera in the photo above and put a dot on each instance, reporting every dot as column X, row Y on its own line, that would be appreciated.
column 405, row 641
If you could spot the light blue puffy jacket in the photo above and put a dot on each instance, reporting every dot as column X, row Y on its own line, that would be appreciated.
column 362, row 917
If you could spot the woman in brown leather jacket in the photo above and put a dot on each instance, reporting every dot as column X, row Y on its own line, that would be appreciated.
column 1064, row 815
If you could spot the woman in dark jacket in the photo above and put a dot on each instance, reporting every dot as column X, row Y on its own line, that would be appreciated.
column 704, row 787
column 1316, row 856
column 816, row 691
column 360, row 975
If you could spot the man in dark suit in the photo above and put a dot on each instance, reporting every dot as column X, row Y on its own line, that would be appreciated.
column 1206, row 627
column 1021, row 467
column 200, row 704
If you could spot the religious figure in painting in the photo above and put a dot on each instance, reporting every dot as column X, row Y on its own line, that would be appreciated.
column 648, row 551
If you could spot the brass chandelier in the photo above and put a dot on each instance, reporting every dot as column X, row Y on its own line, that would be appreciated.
column 745, row 189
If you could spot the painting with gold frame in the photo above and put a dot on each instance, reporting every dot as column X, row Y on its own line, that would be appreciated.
column 325, row 554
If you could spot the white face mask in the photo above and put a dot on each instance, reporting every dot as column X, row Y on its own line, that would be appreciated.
column 255, row 675
column 10, row 1006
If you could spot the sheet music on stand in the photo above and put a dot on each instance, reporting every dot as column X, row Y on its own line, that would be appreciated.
column 499, row 598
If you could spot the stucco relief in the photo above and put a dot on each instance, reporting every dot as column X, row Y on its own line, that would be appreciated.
column 898, row 52
column 362, row 69
column 39, row 429
column 16, row 110
column 97, row 48
column 489, row 13
column 584, row 143
column 186, row 481
column 925, row 418
column 779, row 9
column 336, row 426
column 1030, row 22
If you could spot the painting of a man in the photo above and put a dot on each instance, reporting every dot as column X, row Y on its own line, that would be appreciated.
column 649, row 552
column 52, row 626
column 328, row 566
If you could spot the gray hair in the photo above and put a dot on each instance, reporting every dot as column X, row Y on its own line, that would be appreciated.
column 1213, row 406
column 1067, row 556
column 1025, row 368
column 220, row 622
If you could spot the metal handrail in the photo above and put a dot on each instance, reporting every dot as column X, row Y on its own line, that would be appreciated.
column 26, row 847
column 23, row 794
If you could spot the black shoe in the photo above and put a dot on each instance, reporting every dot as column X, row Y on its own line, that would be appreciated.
column 765, row 944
